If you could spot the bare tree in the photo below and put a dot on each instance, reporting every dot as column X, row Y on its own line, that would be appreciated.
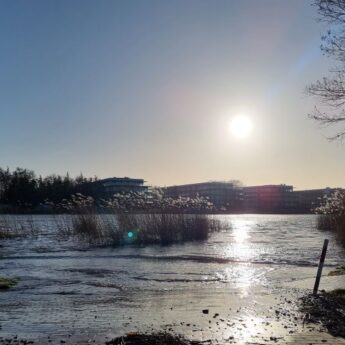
column 331, row 90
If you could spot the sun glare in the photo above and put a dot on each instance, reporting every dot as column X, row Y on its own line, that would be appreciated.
column 241, row 126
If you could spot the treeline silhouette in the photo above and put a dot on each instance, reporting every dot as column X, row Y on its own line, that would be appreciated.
column 22, row 188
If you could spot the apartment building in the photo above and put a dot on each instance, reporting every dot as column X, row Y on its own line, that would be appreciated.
column 226, row 195
column 115, row 185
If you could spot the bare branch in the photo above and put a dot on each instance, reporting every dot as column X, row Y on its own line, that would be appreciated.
column 331, row 11
column 326, row 120
column 331, row 91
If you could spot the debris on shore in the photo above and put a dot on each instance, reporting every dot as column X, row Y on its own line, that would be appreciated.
column 339, row 271
column 161, row 338
column 327, row 308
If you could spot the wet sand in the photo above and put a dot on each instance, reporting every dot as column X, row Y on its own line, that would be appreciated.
column 219, row 316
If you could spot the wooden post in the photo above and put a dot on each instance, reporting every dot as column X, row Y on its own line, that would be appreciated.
column 319, row 270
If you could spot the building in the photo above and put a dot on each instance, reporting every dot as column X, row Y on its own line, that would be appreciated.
column 268, row 199
column 231, row 196
column 307, row 200
column 115, row 185
column 225, row 195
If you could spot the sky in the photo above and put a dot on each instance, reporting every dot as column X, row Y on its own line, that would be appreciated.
column 148, row 89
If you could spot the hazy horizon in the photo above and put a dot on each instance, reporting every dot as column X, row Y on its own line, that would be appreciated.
column 148, row 89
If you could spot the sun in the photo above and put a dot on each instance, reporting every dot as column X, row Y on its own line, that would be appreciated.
column 241, row 126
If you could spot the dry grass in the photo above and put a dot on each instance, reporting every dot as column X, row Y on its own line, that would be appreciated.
column 91, row 228
column 334, row 223
column 118, row 228
column 325, row 222
column 165, row 228
column 16, row 227
column 128, row 228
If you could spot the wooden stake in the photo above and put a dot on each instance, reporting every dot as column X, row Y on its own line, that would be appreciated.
column 319, row 270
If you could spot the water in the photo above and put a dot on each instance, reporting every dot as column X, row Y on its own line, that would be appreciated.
column 68, row 288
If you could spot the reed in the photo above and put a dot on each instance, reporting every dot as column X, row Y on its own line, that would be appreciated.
column 333, row 222
column 167, row 228
column 332, row 215
column 17, row 226
column 139, row 229
column 325, row 222
column 5, row 228
column 120, row 223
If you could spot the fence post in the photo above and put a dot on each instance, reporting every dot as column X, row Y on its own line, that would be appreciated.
column 319, row 270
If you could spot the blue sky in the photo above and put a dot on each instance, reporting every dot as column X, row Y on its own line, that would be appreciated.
column 148, row 88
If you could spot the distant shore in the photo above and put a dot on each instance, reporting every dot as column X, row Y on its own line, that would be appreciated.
column 45, row 211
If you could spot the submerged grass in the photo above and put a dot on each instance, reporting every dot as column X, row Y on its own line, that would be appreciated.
column 325, row 222
column 165, row 228
column 333, row 222
column 11, row 227
column 6, row 231
column 7, row 283
column 141, row 229
column 5, row 234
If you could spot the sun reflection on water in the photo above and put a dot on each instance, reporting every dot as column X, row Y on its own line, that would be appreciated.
column 243, row 273
column 239, row 247
column 241, row 230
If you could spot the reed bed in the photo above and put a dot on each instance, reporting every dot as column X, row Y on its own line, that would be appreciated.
column 333, row 222
column 17, row 227
column 332, row 215
column 132, row 218
column 140, row 229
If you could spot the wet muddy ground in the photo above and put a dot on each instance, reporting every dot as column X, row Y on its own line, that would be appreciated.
column 218, row 315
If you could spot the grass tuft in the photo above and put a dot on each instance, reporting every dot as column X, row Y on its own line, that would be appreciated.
column 333, row 222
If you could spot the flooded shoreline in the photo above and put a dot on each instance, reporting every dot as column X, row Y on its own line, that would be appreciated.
column 242, row 273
